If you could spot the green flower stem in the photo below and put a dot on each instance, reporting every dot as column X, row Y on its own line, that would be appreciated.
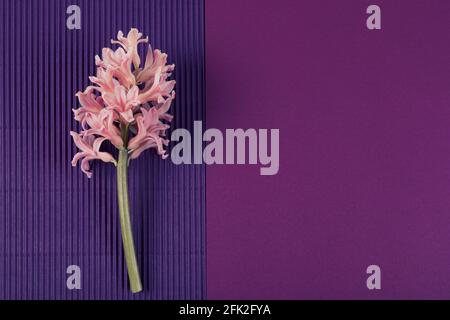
column 125, row 222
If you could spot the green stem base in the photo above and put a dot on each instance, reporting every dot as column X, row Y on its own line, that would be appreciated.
column 125, row 222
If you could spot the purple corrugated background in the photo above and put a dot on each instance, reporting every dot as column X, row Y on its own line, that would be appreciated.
column 364, row 120
column 51, row 215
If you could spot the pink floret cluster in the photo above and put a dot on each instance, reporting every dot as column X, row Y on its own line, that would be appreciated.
column 127, row 103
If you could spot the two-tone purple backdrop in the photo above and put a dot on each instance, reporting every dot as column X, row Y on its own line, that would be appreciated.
column 364, row 119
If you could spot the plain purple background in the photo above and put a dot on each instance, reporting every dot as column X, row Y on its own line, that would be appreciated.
column 364, row 120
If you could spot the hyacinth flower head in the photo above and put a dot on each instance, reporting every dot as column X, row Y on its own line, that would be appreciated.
column 127, row 105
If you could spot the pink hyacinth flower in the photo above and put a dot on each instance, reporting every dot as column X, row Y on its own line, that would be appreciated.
column 105, row 81
column 130, row 44
column 90, row 150
column 159, row 91
column 122, row 99
column 119, row 63
column 123, row 102
column 90, row 104
column 149, row 135
column 127, row 105
column 153, row 61
column 102, row 124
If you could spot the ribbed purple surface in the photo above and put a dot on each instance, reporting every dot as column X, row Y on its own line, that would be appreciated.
column 51, row 215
